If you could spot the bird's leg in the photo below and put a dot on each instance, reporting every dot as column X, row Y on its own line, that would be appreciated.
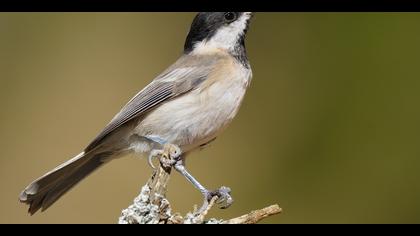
column 223, row 193
column 170, row 156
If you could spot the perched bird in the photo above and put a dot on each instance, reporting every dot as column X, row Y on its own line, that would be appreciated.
column 183, row 109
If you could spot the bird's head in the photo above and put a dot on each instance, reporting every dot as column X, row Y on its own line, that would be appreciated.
column 218, row 30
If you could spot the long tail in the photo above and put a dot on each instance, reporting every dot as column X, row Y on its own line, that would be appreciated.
column 46, row 190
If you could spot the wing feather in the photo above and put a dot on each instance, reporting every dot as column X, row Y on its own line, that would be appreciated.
column 183, row 76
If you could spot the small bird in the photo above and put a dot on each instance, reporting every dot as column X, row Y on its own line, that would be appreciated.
column 183, row 109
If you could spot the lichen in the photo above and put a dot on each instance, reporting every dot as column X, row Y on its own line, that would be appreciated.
column 213, row 221
column 142, row 211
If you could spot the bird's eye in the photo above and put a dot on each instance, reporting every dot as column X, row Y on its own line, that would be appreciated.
column 230, row 16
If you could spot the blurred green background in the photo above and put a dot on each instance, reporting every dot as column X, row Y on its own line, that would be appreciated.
column 329, row 129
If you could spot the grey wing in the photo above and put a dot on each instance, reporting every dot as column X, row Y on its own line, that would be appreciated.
column 185, row 75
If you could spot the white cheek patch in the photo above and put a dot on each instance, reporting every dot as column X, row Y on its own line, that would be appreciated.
column 225, row 37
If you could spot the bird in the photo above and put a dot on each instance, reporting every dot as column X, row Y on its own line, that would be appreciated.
column 183, row 109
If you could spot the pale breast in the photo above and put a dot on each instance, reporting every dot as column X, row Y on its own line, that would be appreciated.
column 200, row 115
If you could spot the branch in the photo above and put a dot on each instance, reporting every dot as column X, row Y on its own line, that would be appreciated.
column 255, row 216
column 152, row 207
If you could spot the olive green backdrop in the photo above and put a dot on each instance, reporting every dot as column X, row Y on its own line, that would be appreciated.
column 329, row 128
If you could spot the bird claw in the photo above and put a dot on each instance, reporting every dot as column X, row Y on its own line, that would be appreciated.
column 168, row 156
column 224, row 200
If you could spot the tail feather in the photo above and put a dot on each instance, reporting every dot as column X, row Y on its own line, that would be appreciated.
column 46, row 190
column 43, row 183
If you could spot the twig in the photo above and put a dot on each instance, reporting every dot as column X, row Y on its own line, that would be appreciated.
column 152, row 207
column 255, row 216
column 203, row 214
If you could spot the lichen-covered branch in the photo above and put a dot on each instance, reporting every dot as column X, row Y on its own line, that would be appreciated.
column 152, row 207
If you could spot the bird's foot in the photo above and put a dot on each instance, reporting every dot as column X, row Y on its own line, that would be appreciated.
column 224, row 199
column 168, row 156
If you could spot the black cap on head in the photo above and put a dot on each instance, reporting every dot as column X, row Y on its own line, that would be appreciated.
column 207, row 24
